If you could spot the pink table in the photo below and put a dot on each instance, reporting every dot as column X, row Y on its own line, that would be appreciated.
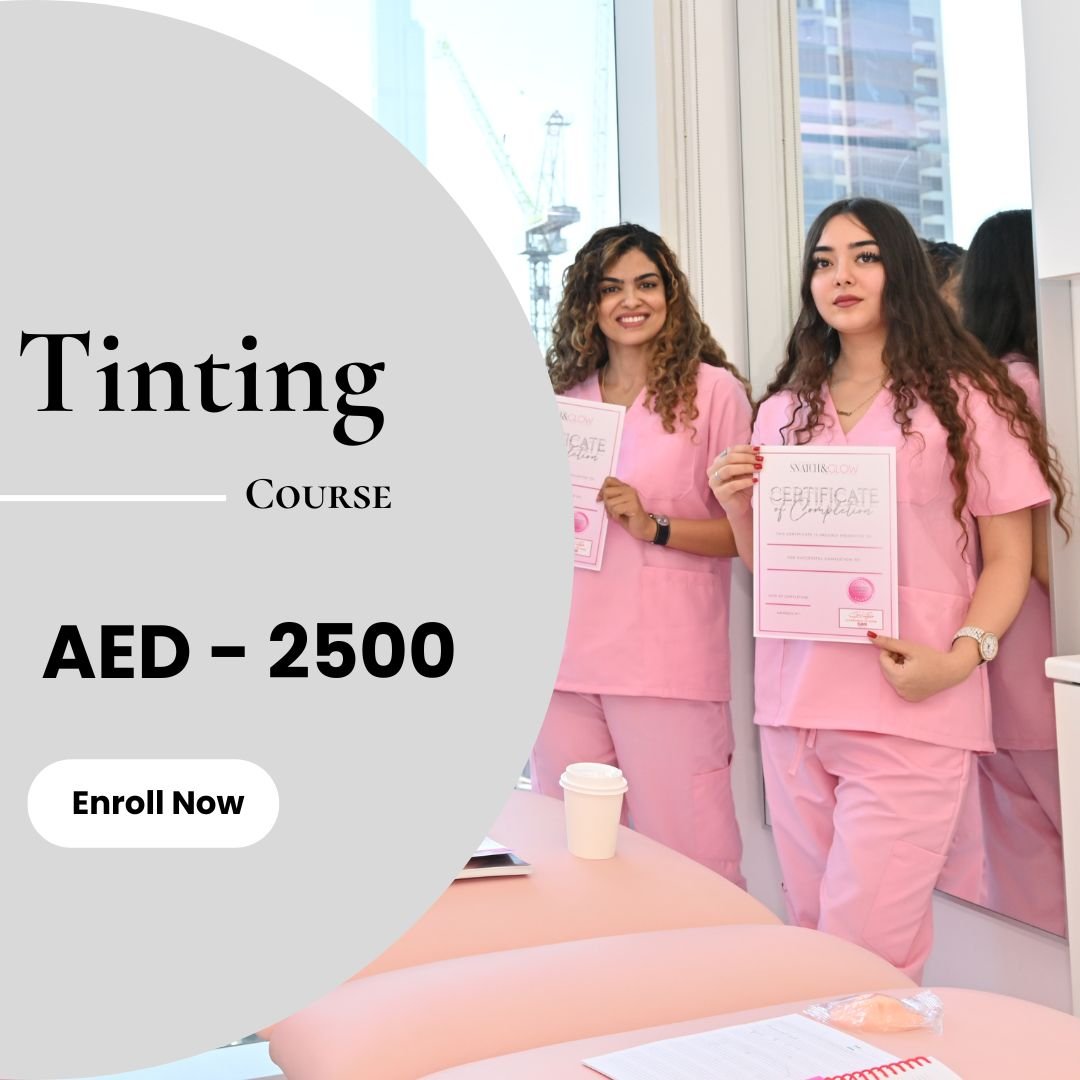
column 645, row 887
column 407, row 1023
column 986, row 1037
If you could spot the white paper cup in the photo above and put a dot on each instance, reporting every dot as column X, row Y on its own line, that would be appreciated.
column 593, row 794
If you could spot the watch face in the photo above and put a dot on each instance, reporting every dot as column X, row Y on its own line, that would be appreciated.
column 988, row 646
column 662, row 519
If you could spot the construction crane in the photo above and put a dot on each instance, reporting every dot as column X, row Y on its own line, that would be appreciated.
column 545, row 216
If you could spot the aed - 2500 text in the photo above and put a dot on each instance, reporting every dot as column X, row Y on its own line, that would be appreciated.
column 164, row 651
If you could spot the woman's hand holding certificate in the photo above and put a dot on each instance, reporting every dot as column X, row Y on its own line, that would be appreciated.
column 916, row 671
column 623, row 503
column 732, row 477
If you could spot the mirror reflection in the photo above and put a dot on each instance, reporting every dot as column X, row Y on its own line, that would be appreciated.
column 1008, row 854
column 921, row 103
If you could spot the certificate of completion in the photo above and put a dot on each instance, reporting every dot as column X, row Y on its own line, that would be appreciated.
column 825, row 543
column 593, row 430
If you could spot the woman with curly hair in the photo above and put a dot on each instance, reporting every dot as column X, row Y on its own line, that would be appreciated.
column 868, row 749
column 644, row 680
column 1019, row 791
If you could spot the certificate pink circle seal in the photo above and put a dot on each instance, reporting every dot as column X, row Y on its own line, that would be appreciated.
column 581, row 521
column 860, row 590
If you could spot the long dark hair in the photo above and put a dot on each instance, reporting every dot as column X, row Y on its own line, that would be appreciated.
column 997, row 289
column 579, row 348
column 928, row 355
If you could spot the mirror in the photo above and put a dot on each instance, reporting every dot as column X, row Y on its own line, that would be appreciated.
column 922, row 103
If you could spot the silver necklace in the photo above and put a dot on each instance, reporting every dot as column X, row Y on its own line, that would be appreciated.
column 866, row 401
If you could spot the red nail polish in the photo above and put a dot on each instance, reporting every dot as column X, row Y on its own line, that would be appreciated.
column 871, row 634
column 755, row 479
column 756, row 449
column 757, row 465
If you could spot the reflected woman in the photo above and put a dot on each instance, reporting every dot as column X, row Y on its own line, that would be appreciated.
column 1019, row 789
column 867, row 750
column 644, row 680
column 946, row 261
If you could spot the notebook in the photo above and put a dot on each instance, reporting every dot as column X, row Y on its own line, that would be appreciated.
column 493, row 860
column 783, row 1048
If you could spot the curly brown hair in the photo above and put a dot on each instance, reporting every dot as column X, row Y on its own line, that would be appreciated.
column 928, row 355
column 579, row 348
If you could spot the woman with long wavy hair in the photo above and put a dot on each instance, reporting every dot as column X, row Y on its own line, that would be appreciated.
column 1019, row 791
column 868, row 749
column 644, row 680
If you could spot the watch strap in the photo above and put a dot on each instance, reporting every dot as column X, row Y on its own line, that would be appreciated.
column 663, row 530
column 976, row 634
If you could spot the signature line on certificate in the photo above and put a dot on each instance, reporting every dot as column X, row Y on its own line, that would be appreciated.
column 798, row 570
column 855, row 547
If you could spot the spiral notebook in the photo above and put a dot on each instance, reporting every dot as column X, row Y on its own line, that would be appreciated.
column 922, row 1068
column 784, row 1048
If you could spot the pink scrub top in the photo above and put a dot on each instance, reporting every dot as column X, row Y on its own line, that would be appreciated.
column 1021, row 695
column 653, row 621
column 814, row 684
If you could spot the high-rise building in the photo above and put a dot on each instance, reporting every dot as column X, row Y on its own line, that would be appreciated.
column 872, row 107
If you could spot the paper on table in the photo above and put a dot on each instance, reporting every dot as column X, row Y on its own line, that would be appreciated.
column 783, row 1048
column 490, row 847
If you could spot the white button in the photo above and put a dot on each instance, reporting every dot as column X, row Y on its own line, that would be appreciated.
column 153, row 803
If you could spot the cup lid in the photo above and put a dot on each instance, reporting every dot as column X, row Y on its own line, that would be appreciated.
column 593, row 778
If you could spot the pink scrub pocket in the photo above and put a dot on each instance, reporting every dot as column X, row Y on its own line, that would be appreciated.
column 716, row 828
column 901, row 909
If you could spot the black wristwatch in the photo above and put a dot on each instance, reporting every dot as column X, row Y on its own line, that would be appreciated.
column 663, row 529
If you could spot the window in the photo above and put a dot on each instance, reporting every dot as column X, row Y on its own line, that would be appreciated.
column 509, row 103
column 934, row 120
column 515, row 117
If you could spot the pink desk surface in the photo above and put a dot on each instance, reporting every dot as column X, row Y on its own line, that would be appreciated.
column 986, row 1037
column 404, row 1024
column 645, row 887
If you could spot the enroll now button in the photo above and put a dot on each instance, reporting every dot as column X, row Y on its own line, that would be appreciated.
column 152, row 803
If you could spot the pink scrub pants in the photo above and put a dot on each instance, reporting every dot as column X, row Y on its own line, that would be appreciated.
column 676, row 756
column 862, row 823
column 965, row 867
column 1021, row 813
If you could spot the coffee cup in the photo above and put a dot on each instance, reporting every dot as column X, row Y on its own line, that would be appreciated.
column 593, row 795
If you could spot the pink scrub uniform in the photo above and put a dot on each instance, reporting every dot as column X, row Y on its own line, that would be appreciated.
column 864, row 788
column 1019, row 790
column 645, row 675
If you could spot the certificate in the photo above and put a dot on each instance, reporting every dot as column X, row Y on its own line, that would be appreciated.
column 593, row 431
column 825, row 543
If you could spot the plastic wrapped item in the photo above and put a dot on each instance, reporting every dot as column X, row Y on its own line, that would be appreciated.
column 921, row 1011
